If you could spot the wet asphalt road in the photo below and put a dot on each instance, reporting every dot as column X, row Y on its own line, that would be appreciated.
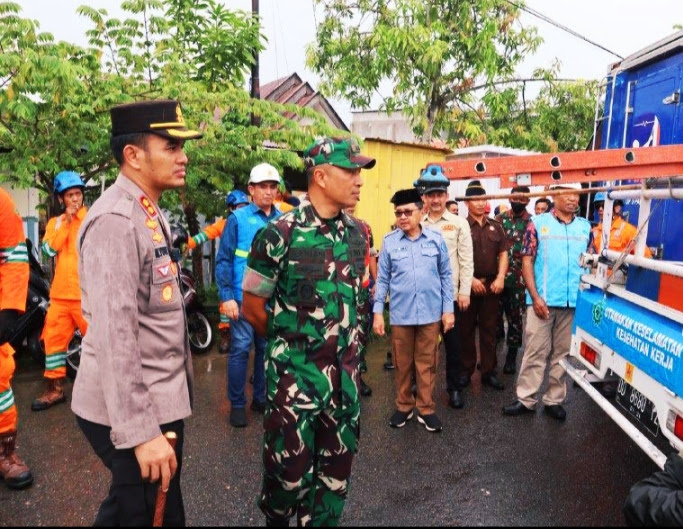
column 483, row 469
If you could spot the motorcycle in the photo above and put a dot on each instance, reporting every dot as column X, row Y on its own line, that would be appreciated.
column 199, row 328
column 25, row 335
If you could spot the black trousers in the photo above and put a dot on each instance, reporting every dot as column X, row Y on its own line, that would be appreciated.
column 454, row 368
column 131, row 500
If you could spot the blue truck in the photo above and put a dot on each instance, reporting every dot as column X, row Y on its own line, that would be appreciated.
column 629, row 317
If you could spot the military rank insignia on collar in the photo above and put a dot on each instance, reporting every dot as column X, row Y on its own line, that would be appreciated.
column 147, row 205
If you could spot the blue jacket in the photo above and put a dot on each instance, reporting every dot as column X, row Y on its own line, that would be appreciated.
column 233, row 251
column 556, row 268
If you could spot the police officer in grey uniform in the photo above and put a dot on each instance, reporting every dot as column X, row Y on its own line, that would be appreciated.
column 135, row 378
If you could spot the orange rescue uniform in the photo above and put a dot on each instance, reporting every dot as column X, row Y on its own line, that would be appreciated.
column 64, row 315
column 14, row 274
column 621, row 234
column 210, row 233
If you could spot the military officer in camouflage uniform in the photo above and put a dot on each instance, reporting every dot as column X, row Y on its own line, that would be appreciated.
column 308, row 267
column 513, row 300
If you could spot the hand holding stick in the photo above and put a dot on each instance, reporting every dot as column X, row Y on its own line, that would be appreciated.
column 160, row 505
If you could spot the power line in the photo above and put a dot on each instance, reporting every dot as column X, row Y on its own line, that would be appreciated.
column 284, row 39
column 315, row 18
column 277, row 67
column 547, row 19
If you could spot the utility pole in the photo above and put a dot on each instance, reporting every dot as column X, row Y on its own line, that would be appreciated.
column 255, row 82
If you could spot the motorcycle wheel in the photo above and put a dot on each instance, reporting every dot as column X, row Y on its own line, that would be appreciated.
column 200, row 333
column 73, row 356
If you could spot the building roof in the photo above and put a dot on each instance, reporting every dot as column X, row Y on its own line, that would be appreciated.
column 293, row 90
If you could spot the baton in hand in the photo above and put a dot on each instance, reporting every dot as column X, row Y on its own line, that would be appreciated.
column 160, row 505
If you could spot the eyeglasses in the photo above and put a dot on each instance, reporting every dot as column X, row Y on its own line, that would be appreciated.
column 404, row 212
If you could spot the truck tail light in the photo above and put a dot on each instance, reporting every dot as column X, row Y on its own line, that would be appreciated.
column 590, row 355
column 674, row 422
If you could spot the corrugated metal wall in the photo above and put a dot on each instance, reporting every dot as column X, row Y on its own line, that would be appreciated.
column 398, row 166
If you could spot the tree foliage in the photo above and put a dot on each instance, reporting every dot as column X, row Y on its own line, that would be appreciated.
column 55, row 96
column 559, row 118
column 434, row 53
column 451, row 66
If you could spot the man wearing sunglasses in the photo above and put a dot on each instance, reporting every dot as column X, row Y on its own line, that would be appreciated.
column 415, row 270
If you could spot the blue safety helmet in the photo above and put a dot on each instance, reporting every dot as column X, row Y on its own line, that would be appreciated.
column 236, row 197
column 432, row 179
column 600, row 197
column 66, row 180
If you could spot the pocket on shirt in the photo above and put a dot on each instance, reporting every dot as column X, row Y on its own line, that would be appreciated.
column 493, row 235
column 430, row 251
column 164, row 292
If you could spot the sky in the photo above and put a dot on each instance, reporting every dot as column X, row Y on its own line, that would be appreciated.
column 622, row 26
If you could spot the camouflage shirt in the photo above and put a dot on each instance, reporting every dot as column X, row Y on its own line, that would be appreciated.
column 515, row 228
column 311, row 270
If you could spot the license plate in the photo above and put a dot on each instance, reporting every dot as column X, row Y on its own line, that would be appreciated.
column 638, row 406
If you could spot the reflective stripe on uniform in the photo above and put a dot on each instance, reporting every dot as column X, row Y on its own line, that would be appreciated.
column 200, row 238
column 15, row 254
column 6, row 400
column 49, row 252
column 241, row 253
column 55, row 361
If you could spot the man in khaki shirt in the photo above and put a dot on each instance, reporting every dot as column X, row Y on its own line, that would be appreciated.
column 455, row 231
column 135, row 378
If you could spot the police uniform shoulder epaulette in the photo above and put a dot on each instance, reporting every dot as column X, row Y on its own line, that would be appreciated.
column 124, row 206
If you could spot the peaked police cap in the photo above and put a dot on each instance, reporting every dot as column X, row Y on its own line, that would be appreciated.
column 162, row 117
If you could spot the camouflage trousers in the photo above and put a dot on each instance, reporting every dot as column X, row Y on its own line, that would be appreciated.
column 310, row 439
column 513, row 301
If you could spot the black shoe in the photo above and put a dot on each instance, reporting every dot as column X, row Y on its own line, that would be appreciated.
column 258, row 407
column 389, row 364
column 492, row 381
column 431, row 422
column 455, row 400
column 516, row 408
column 464, row 381
column 510, row 362
column 399, row 418
column 271, row 522
column 556, row 411
column 238, row 418
column 365, row 390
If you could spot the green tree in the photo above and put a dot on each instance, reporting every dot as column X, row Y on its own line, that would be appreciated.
column 559, row 118
column 56, row 96
column 434, row 53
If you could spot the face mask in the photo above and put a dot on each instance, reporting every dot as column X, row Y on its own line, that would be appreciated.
column 517, row 207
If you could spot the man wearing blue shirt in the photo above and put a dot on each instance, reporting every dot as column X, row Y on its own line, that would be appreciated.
column 230, row 265
column 415, row 270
